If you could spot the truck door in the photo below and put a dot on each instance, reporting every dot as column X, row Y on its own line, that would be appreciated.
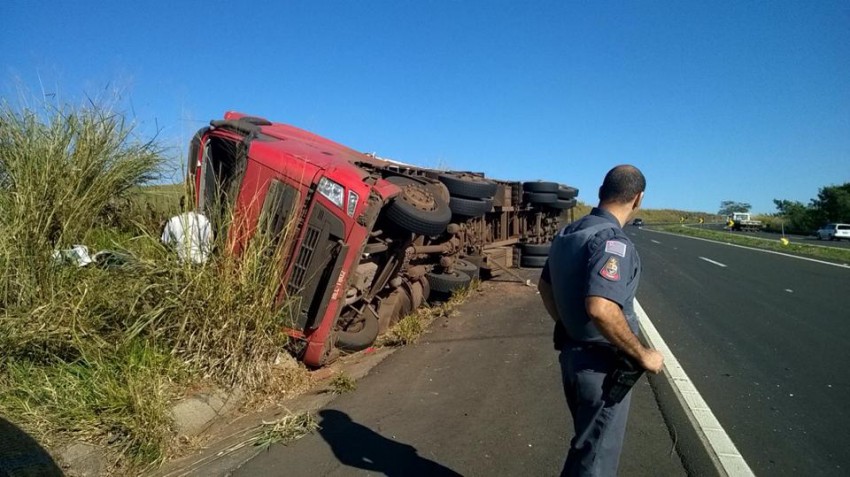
column 223, row 166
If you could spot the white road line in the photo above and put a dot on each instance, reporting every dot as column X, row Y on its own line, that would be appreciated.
column 655, row 241
column 696, row 408
column 712, row 261
column 839, row 265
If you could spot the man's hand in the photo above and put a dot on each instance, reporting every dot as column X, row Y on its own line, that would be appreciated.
column 609, row 319
column 652, row 360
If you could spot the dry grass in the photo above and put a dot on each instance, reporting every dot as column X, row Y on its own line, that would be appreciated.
column 410, row 328
column 342, row 383
column 98, row 354
column 291, row 427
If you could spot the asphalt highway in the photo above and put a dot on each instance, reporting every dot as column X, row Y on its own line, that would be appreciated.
column 478, row 395
column 766, row 340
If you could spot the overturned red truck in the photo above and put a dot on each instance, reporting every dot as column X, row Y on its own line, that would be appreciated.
column 373, row 238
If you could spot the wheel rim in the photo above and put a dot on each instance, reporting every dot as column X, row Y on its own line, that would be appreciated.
column 418, row 197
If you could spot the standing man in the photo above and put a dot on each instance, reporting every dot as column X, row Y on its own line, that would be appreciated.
column 588, row 286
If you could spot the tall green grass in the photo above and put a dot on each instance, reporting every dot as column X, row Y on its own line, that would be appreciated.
column 99, row 353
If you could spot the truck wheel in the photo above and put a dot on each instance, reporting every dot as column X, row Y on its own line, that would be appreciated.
column 417, row 209
column 531, row 261
column 540, row 186
column 468, row 268
column 542, row 198
column 535, row 249
column 470, row 207
column 567, row 193
column 563, row 204
column 469, row 186
column 448, row 282
column 352, row 341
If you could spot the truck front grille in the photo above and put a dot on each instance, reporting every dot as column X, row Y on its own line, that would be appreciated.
column 302, row 263
column 316, row 267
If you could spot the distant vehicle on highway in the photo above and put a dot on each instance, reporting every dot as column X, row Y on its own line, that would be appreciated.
column 637, row 222
column 834, row 232
column 742, row 221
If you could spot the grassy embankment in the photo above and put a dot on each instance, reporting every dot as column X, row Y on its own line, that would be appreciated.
column 95, row 353
column 826, row 253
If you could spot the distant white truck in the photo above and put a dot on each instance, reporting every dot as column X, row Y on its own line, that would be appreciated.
column 742, row 221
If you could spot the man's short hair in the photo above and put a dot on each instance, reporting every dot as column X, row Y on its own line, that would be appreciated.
column 622, row 184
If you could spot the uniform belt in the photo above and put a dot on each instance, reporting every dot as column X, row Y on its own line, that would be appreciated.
column 591, row 345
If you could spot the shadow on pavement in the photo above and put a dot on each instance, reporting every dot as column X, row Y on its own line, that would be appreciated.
column 358, row 446
column 21, row 455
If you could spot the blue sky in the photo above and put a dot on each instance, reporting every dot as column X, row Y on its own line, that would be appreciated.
column 745, row 101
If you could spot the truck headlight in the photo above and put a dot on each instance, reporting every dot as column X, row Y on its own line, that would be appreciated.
column 352, row 202
column 332, row 191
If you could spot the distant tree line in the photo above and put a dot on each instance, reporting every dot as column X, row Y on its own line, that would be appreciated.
column 831, row 205
column 729, row 207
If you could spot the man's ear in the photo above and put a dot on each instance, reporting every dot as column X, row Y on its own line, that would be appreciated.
column 637, row 202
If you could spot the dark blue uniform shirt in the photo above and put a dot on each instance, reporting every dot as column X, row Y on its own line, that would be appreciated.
column 592, row 257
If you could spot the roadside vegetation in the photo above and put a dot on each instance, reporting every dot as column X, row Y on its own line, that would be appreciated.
column 343, row 383
column 410, row 328
column 815, row 251
column 660, row 216
column 831, row 205
column 97, row 353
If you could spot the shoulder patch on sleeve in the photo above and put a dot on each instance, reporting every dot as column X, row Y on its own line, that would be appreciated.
column 611, row 270
column 616, row 247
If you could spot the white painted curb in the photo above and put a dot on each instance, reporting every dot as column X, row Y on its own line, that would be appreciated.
column 714, row 437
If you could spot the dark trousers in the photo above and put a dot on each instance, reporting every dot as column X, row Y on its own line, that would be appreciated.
column 599, row 429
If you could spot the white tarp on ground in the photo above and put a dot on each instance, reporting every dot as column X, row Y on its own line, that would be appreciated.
column 190, row 234
column 78, row 255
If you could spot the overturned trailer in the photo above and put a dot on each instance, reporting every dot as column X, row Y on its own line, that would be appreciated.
column 371, row 239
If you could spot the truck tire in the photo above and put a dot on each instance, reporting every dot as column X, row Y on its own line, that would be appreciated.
column 532, row 261
column 563, row 204
column 469, row 268
column 351, row 341
column 470, row 207
column 448, row 282
column 535, row 249
column 541, row 186
column 567, row 193
column 469, row 186
column 540, row 198
column 417, row 209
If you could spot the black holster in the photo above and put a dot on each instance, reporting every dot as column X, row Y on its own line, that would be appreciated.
column 560, row 336
column 621, row 379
